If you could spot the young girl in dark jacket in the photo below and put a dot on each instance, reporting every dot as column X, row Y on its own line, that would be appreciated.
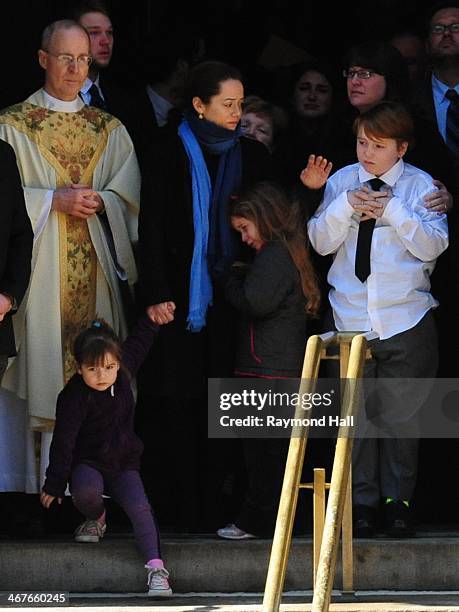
column 274, row 295
column 94, row 445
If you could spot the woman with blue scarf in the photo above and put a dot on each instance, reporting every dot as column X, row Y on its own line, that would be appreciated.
column 185, row 242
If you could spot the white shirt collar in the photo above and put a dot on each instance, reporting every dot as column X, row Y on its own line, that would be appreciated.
column 65, row 106
column 390, row 177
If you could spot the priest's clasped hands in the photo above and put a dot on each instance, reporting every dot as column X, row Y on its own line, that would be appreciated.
column 77, row 200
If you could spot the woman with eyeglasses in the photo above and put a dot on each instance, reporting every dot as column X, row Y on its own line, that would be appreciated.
column 376, row 71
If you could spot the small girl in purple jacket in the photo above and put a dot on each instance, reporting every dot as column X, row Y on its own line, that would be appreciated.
column 94, row 445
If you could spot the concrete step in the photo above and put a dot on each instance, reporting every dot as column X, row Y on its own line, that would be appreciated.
column 211, row 565
column 298, row 602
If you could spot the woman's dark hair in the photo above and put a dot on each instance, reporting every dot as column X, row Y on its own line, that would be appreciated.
column 92, row 344
column 386, row 120
column 205, row 80
column 315, row 65
column 386, row 60
column 278, row 218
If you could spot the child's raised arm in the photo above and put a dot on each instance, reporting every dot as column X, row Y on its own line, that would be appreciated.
column 316, row 173
column 136, row 346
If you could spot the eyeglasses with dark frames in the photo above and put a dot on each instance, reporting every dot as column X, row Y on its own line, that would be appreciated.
column 437, row 29
column 360, row 74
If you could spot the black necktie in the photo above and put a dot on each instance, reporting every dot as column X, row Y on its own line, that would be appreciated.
column 96, row 98
column 452, row 121
column 362, row 252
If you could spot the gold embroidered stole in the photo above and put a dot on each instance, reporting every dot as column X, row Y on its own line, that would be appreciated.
column 73, row 144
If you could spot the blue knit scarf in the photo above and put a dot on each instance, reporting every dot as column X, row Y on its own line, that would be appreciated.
column 213, row 240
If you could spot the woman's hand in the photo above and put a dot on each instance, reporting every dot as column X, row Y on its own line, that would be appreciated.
column 316, row 173
column 440, row 200
column 46, row 499
column 161, row 313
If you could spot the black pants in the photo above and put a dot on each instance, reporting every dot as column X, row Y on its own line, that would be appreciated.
column 265, row 463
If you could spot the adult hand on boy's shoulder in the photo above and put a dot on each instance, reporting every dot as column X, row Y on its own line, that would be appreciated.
column 161, row 313
column 439, row 200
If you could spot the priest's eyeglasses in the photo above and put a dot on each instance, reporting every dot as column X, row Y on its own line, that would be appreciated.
column 360, row 74
column 66, row 59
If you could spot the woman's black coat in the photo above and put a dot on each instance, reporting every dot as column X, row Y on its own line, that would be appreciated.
column 182, row 361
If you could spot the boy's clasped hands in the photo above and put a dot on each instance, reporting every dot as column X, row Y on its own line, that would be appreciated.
column 370, row 204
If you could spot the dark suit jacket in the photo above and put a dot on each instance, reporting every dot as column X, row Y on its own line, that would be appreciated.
column 134, row 110
column 445, row 279
column 16, row 238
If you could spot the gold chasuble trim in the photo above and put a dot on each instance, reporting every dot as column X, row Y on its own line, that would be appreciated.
column 72, row 143
column 78, row 275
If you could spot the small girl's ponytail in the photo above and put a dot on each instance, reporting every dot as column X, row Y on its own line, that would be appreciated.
column 92, row 344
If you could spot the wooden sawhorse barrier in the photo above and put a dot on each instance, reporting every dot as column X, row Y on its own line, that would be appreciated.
column 352, row 354
column 319, row 488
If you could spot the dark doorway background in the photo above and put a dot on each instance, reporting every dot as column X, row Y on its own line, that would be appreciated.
column 236, row 32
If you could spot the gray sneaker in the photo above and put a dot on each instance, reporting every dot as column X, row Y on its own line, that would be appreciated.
column 90, row 531
column 158, row 583
column 232, row 532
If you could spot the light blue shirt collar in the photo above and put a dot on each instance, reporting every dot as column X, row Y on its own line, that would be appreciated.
column 441, row 103
column 439, row 90
column 84, row 91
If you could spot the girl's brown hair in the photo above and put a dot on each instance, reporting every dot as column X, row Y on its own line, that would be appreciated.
column 92, row 344
column 278, row 218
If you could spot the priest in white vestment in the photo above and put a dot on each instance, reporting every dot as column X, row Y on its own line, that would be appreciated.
column 81, row 183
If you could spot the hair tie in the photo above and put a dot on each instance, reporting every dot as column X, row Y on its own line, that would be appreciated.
column 97, row 324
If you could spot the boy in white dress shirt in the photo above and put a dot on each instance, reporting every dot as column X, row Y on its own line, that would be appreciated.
column 385, row 244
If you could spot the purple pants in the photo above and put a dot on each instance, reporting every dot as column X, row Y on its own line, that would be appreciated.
column 126, row 488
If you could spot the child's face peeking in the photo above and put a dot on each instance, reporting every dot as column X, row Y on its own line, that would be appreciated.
column 102, row 375
column 249, row 232
column 378, row 155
